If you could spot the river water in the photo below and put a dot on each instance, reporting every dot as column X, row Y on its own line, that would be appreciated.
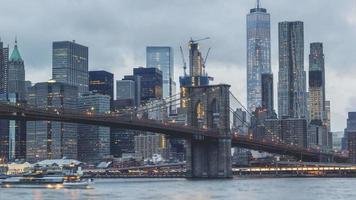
column 182, row 189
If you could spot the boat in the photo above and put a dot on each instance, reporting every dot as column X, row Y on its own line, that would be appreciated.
column 48, row 181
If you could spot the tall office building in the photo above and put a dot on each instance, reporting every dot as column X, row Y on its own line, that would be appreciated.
column 267, row 94
column 162, row 58
column 258, row 53
column 350, row 136
column 101, row 82
column 290, row 130
column 240, row 124
column 12, row 133
column 125, row 89
column 137, row 80
column 70, row 64
column 46, row 139
column 4, row 58
column 292, row 95
column 16, row 74
column 151, row 83
column 317, row 83
column 93, row 141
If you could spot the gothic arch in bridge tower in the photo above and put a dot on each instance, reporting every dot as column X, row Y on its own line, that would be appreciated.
column 198, row 115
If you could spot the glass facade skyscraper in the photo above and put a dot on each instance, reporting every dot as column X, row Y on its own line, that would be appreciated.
column 151, row 83
column 93, row 141
column 292, row 95
column 70, row 64
column 101, row 82
column 46, row 139
column 258, row 54
column 162, row 58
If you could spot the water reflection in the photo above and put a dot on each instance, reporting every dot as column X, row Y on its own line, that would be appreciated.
column 181, row 189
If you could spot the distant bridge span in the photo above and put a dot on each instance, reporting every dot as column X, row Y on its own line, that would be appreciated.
column 15, row 112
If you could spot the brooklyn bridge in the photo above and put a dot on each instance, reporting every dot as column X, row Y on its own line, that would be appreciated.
column 208, row 132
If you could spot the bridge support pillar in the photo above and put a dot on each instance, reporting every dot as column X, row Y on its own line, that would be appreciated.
column 209, row 107
column 209, row 159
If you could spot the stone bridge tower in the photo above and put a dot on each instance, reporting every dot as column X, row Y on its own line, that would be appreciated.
column 209, row 107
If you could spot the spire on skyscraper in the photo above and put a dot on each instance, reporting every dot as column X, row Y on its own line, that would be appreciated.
column 258, row 4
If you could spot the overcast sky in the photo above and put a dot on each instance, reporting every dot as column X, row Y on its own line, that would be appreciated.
column 117, row 32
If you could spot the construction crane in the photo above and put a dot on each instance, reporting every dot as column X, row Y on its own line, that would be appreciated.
column 195, row 41
column 206, row 57
column 184, row 63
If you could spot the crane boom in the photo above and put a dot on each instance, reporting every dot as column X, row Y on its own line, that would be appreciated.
column 184, row 63
column 194, row 41
column 206, row 57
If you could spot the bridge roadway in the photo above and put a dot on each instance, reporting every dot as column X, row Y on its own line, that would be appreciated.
column 18, row 112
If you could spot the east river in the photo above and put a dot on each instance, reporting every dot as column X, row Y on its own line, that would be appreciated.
column 182, row 189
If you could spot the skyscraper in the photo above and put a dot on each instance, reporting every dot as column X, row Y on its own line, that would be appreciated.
column 125, row 91
column 162, row 58
column 93, row 141
column 258, row 53
column 101, row 82
column 292, row 96
column 267, row 94
column 16, row 74
column 151, row 83
column 317, row 83
column 12, row 134
column 4, row 58
column 46, row 139
column 350, row 136
column 70, row 64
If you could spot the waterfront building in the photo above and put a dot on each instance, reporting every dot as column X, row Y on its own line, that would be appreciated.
column 122, row 142
column 93, row 141
column 151, row 83
column 70, row 64
column 47, row 139
column 292, row 95
column 146, row 146
column 258, row 53
column 101, row 82
column 350, row 136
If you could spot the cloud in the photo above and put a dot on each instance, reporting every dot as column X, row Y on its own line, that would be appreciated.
column 117, row 32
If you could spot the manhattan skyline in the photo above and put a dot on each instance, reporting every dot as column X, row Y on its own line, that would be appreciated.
column 119, row 31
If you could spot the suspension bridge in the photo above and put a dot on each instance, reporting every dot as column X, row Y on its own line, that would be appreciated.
column 208, row 128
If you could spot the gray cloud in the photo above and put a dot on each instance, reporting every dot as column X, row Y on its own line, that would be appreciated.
column 117, row 32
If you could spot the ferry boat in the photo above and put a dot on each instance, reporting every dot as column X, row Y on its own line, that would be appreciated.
column 48, row 181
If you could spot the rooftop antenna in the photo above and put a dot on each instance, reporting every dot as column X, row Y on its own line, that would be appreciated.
column 258, row 4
